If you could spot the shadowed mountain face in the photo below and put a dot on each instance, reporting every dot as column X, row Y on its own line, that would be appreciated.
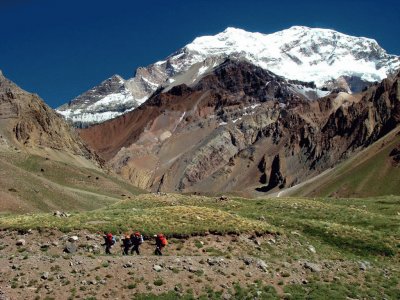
column 242, row 128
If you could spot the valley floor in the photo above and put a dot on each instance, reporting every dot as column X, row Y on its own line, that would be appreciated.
column 281, row 248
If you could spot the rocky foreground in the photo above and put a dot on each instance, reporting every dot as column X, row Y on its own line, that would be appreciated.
column 53, row 265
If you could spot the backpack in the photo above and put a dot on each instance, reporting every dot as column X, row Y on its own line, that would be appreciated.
column 163, row 241
column 113, row 241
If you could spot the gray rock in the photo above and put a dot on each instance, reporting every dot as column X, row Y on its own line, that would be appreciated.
column 21, row 242
column 70, row 248
column 312, row 249
column 157, row 268
column 128, row 265
column 178, row 288
column 226, row 296
column 215, row 261
column 73, row 238
column 248, row 260
column 364, row 265
column 45, row 275
column 262, row 265
column 313, row 267
column 44, row 246
column 90, row 237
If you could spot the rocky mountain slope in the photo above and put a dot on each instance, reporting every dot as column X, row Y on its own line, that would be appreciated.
column 241, row 128
column 26, row 122
column 332, row 60
column 44, row 165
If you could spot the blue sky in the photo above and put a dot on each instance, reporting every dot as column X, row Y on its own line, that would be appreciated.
column 59, row 49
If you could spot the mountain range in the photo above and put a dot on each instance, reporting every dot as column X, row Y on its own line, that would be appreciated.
column 330, row 60
column 237, row 112
column 242, row 128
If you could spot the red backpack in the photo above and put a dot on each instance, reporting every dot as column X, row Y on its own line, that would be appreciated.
column 163, row 241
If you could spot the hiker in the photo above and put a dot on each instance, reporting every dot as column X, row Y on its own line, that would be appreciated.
column 109, row 241
column 136, row 241
column 126, row 244
column 161, row 242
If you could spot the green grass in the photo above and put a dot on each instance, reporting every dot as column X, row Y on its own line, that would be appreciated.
column 59, row 186
column 353, row 228
column 368, row 173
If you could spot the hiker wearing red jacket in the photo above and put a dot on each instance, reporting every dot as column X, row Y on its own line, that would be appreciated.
column 161, row 242
column 109, row 241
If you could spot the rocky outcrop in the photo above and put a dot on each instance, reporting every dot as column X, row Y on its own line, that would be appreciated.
column 27, row 122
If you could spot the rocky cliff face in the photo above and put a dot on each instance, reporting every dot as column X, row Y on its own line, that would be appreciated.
column 26, row 122
column 332, row 60
column 241, row 128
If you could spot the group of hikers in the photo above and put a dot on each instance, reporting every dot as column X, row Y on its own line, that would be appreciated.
column 131, row 243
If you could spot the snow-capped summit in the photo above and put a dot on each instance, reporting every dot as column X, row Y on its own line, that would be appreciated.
column 301, row 53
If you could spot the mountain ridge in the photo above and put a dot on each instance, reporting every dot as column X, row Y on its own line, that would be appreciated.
column 329, row 58
column 233, row 132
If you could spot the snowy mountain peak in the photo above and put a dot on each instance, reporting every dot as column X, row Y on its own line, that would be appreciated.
column 322, row 56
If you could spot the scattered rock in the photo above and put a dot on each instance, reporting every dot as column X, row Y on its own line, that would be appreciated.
column 128, row 265
column 44, row 246
column 96, row 249
column 312, row 249
column 2, row 295
column 157, row 268
column 313, row 267
column 45, row 275
column 21, row 242
column 90, row 237
column 73, row 238
column 223, row 198
column 364, row 265
column 215, row 261
column 262, row 265
column 70, row 248
column 178, row 288
column 304, row 281
column 248, row 260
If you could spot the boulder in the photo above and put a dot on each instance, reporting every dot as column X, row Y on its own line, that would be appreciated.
column 73, row 238
column 262, row 265
column 157, row 268
column 70, row 248
column 21, row 242
column 313, row 267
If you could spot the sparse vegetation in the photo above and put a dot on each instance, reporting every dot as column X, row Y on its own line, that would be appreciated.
column 353, row 230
